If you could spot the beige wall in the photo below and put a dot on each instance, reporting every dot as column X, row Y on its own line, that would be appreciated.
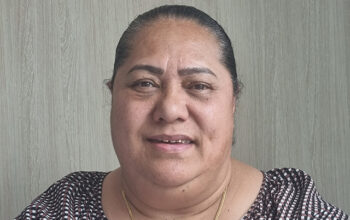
column 293, row 57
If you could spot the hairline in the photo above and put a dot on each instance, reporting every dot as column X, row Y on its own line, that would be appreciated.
column 143, row 25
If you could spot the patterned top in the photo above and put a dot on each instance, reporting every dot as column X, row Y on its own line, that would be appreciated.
column 284, row 194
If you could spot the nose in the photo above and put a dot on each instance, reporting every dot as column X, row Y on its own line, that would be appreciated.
column 171, row 105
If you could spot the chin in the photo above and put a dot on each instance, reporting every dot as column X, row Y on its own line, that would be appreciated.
column 171, row 180
column 172, row 175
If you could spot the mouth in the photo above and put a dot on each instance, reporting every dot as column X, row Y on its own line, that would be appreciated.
column 166, row 141
column 171, row 143
column 171, row 139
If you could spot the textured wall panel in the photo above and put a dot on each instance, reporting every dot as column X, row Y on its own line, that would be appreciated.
column 292, row 56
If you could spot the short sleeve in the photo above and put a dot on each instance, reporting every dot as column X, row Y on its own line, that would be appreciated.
column 76, row 196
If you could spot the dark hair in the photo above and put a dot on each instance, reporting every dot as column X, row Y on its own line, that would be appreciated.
column 182, row 12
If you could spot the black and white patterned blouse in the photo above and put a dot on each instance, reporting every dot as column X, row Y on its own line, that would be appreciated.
column 284, row 194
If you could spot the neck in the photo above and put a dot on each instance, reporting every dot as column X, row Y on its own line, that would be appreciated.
column 194, row 199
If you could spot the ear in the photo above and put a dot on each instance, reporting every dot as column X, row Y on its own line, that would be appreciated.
column 109, row 85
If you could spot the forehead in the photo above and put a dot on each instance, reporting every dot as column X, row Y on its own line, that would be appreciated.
column 175, row 36
column 180, row 27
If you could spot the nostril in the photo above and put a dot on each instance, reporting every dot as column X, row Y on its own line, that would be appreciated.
column 160, row 119
column 171, row 106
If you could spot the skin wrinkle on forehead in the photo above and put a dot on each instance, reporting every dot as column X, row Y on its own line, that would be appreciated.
column 182, row 72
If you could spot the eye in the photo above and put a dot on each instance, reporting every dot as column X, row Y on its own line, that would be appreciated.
column 144, row 85
column 199, row 86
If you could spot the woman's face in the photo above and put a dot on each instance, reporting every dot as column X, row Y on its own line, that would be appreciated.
column 172, row 104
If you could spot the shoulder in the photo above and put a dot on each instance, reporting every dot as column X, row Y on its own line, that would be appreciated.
column 288, row 178
column 291, row 193
column 76, row 195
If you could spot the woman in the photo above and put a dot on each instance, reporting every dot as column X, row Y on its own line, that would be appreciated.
column 174, row 91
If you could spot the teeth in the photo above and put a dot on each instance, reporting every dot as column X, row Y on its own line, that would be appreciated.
column 185, row 141
column 176, row 141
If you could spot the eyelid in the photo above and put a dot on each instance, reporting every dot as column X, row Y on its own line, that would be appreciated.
column 196, row 83
column 137, row 86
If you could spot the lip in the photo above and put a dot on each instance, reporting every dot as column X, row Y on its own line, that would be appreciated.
column 171, row 143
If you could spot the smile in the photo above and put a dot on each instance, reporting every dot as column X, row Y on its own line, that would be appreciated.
column 171, row 141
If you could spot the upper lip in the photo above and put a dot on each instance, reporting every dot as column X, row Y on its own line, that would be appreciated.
column 171, row 138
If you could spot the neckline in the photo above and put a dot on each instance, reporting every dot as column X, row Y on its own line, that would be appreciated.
column 246, row 215
column 258, row 198
column 100, row 184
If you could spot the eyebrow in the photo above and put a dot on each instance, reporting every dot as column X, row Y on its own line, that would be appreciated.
column 194, row 70
column 149, row 68
column 185, row 71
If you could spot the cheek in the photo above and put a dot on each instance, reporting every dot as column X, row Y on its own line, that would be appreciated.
column 216, row 123
column 122, row 121
column 217, row 118
column 125, row 123
column 127, row 118
column 120, row 116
